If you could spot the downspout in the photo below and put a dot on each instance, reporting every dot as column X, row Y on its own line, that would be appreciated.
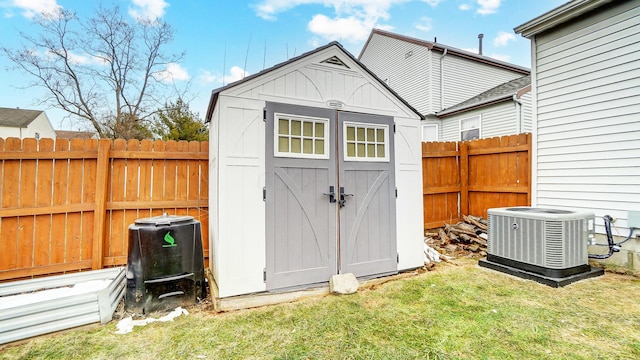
column 442, row 79
column 518, row 105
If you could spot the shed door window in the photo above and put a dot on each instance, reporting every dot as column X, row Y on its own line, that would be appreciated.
column 301, row 137
column 470, row 128
column 366, row 142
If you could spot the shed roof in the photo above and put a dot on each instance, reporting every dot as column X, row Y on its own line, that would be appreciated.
column 450, row 50
column 216, row 92
column 19, row 118
column 494, row 95
column 557, row 16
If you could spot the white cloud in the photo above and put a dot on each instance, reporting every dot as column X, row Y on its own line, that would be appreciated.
column 501, row 57
column 84, row 60
column 35, row 7
column 235, row 73
column 351, row 20
column 173, row 72
column 149, row 10
column 503, row 39
column 425, row 24
column 488, row 6
column 207, row 77
column 433, row 3
column 344, row 29
column 464, row 7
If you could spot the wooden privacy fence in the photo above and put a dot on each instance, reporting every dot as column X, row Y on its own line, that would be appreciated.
column 66, row 205
column 467, row 178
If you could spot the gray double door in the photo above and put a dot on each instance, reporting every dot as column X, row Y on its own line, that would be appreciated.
column 330, row 195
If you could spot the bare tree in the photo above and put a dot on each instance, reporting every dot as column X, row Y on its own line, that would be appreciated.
column 105, row 70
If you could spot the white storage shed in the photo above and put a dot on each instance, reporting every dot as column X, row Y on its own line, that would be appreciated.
column 315, row 170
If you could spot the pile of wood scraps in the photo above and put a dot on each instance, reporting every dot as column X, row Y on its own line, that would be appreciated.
column 467, row 238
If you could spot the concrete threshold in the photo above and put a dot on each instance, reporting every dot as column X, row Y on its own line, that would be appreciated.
column 286, row 296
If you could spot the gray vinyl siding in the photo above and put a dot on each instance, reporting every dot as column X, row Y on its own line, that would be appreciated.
column 465, row 78
column 408, row 75
column 588, row 113
column 495, row 120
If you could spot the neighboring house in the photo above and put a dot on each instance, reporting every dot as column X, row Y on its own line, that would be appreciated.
column 586, row 114
column 22, row 124
column 315, row 170
column 433, row 77
column 502, row 110
column 70, row 134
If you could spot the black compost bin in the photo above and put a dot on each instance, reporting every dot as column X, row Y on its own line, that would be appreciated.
column 165, row 265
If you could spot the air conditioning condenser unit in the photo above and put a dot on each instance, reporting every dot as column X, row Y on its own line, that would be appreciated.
column 546, row 245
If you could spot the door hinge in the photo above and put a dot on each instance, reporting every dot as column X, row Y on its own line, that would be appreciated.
column 264, row 114
column 264, row 274
column 394, row 128
column 396, row 193
column 264, row 194
column 397, row 258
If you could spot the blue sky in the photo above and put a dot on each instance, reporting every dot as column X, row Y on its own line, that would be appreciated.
column 225, row 40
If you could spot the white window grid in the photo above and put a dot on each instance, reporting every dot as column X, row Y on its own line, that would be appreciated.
column 290, row 118
column 367, row 142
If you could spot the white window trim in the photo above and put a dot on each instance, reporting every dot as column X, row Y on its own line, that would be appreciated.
column 431, row 125
column 276, row 122
column 386, row 157
column 469, row 118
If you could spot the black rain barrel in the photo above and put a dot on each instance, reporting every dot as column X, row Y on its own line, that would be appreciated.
column 165, row 264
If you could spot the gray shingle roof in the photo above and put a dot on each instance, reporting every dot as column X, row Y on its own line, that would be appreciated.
column 496, row 94
column 19, row 118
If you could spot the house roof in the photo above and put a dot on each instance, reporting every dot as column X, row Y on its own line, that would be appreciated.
column 557, row 16
column 434, row 46
column 500, row 93
column 20, row 118
column 216, row 92
column 70, row 134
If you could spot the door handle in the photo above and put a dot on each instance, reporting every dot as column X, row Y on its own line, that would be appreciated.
column 331, row 194
column 343, row 196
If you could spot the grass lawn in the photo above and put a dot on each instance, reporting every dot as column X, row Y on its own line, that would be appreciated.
column 453, row 312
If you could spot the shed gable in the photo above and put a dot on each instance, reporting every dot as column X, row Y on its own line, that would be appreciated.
column 325, row 77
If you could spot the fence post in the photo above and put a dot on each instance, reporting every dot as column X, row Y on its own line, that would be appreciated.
column 102, row 174
column 464, row 178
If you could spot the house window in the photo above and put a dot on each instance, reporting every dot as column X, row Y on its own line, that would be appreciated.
column 470, row 128
column 366, row 142
column 429, row 132
column 301, row 137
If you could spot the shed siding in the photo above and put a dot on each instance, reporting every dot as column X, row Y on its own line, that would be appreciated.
column 409, row 219
column 239, row 251
column 588, row 108
column 409, row 76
